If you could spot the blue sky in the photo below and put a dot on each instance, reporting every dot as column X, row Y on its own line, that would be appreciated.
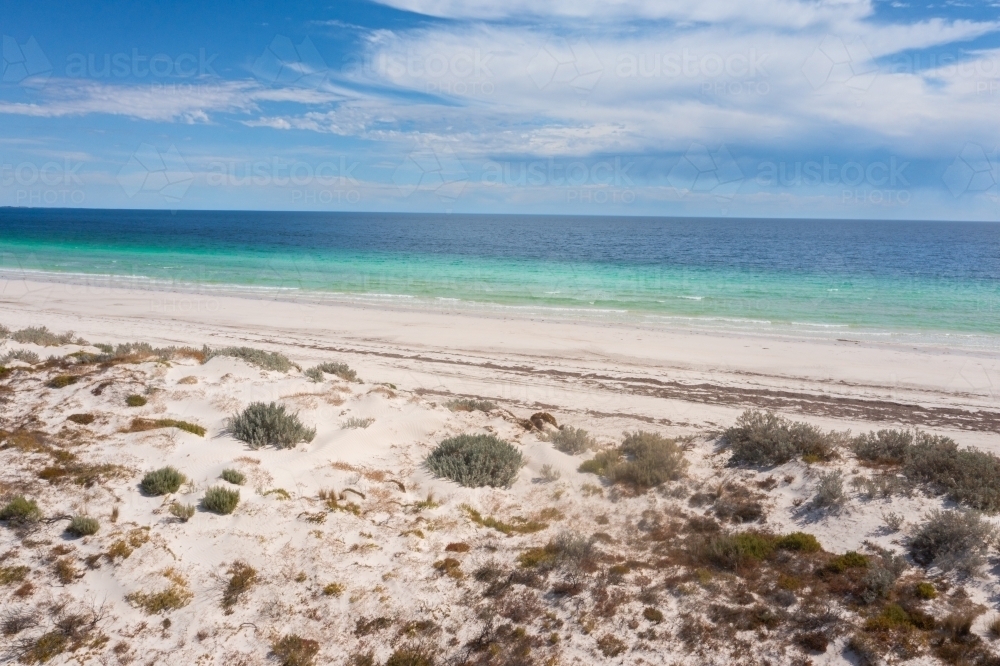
column 618, row 107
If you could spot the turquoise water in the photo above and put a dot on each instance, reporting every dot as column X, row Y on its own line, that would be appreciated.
column 871, row 278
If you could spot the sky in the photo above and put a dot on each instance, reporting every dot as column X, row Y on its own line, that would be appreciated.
column 759, row 108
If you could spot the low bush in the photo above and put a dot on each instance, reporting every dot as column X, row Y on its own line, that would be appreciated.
column 220, row 500
column 800, row 542
column 849, row 560
column 515, row 527
column 83, row 526
column 162, row 481
column 967, row 476
column 142, row 425
column 333, row 589
column 62, row 381
column 735, row 551
column 410, row 656
column 572, row 440
column 925, row 591
column 766, row 439
column 341, row 370
column 293, row 650
column 23, row 355
column 355, row 423
column 470, row 405
column 81, row 419
column 136, row 400
column 183, row 512
column 476, row 460
column 233, row 476
column 264, row 360
column 644, row 460
column 43, row 337
column 953, row 541
column 166, row 600
column 20, row 511
column 830, row 491
column 4, row 332
column 261, row 424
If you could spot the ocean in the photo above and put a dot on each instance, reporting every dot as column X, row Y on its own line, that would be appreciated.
column 908, row 281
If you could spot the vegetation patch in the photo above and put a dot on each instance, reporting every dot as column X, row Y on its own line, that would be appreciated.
column 293, row 650
column 264, row 360
column 800, row 542
column 476, row 460
column 341, row 370
column 23, row 355
column 169, row 599
column 162, row 481
column 81, row 419
column 764, row 439
column 262, row 424
column 354, row 423
column 572, row 440
column 220, row 500
column 43, row 337
column 142, row 425
column 136, row 400
column 516, row 526
column 20, row 512
column 62, row 381
column 470, row 405
column 182, row 512
column 11, row 575
column 644, row 460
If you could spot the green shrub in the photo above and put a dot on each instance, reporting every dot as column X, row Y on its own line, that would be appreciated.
column 735, row 551
column 885, row 447
column 20, row 511
column 925, row 591
column 163, row 481
column 257, row 357
column 476, row 460
column 652, row 614
column 62, row 381
column 849, row 560
column 800, row 542
column 220, row 500
column 953, row 541
column 183, row 512
column 83, row 526
column 470, row 405
column 572, row 440
column 81, row 419
column 261, row 424
column 766, row 439
column 135, row 400
column 40, row 335
column 341, row 370
column 233, row 476
column 644, row 459
column 23, row 355
column 293, row 650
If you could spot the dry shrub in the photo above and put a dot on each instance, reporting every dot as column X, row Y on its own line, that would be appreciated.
column 242, row 577
column 470, row 405
column 142, row 425
column 766, row 439
column 572, row 440
column 644, row 460
column 293, row 650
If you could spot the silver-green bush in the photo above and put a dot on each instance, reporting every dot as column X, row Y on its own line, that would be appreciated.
column 953, row 541
column 830, row 491
column 40, row 335
column 341, row 370
column 220, row 500
column 644, row 459
column 24, row 355
column 182, row 512
column 162, row 481
column 766, row 439
column 476, row 460
column 572, row 440
column 264, row 360
column 262, row 424
column 83, row 526
column 470, row 405
column 20, row 511
column 233, row 476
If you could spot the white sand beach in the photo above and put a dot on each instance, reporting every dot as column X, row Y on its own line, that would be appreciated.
column 372, row 573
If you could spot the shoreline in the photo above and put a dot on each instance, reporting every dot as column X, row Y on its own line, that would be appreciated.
column 710, row 324
column 533, row 359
